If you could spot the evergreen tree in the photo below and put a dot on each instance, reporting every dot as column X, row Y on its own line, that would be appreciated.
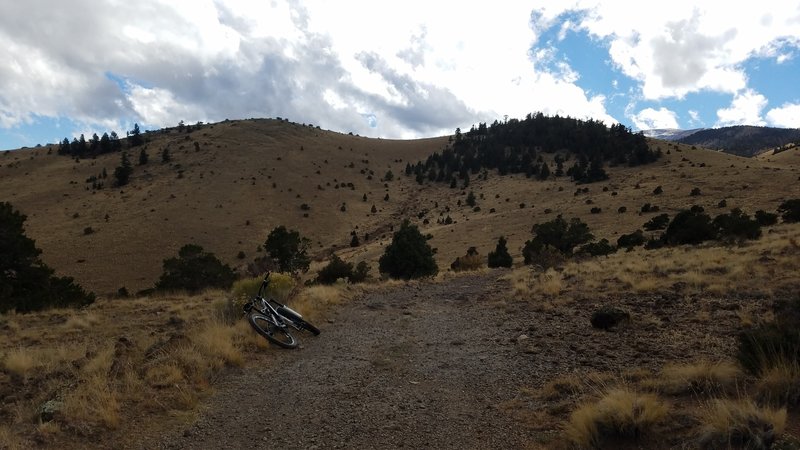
column 471, row 199
column 288, row 249
column 194, row 270
column 544, row 172
column 123, row 172
column 135, row 137
column 26, row 283
column 165, row 157
column 500, row 256
column 143, row 157
column 409, row 255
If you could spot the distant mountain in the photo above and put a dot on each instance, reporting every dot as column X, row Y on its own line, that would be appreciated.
column 670, row 134
column 742, row 140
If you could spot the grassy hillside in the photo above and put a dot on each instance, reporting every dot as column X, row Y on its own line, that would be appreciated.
column 243, row 178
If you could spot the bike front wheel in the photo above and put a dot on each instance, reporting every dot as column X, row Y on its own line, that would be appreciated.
column 305, row 325
column 279, row 336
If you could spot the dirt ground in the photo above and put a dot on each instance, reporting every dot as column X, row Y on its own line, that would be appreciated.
column 445, row 365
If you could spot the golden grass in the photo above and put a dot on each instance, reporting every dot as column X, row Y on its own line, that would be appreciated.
column 20, row 362
column 733, row 423
column 81, row 321
column 25, row 362
column 9, row 440
column 620, row 412
column 779, row 384
column 94, row 402
column 215, row 342
column 313, row 301
column 701, row 376
column 527, row 282
column 708, row 269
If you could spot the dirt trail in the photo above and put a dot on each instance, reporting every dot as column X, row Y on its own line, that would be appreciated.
column 418, row 366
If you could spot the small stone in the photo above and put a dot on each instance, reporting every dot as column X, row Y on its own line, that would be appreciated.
column 522, row 338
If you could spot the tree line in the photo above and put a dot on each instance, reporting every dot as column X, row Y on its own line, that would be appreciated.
column 98, row 145
column 517, row 146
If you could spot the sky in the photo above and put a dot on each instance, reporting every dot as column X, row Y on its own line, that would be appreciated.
column 396, row 69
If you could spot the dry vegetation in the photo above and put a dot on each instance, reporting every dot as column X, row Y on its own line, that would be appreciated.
column 705, row 403
column 118, row 365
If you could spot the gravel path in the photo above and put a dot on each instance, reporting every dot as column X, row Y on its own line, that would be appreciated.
column 421, row 366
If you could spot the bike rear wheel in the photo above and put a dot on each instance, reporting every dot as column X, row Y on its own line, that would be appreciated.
column 279, row 336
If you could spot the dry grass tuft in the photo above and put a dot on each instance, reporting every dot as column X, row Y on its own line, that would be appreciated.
column 732, row 423
column 9, row 440
column 93, row 403
column 81, row 322
column 780, row 384
column 216, row 344
column 20, row 362
column 702, row 376
column 620, row 413
column 313, row 301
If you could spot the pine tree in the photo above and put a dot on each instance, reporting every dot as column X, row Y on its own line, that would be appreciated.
column 409, row 255
column 500, row 256
column 123, row 172
column 143, row 157
column 26, row 283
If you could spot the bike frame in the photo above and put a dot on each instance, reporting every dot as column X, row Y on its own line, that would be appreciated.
column 269, row 310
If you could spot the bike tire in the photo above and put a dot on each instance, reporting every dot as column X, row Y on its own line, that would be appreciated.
column 302, row 323
column 273, row 333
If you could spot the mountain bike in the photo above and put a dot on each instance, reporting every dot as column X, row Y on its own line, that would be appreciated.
column 273, row 320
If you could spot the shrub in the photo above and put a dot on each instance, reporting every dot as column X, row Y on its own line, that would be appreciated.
column 739, row 424
column 409, row 255
column 689, row 227
column 790, row 210
column 596, row 210
column 622, row 209
column 658, row 222
column 695, row 192
column 26, row 283
column 557, row 234
column 620, row 413
column 471, row 261
column 193, row 270
column 737, row 226
column 600, row 248
column 500, row 256
column 360, row 274
column 658, row 190
column 765, row 219
column 288, row 249
column 772, row 344
column 631, row 240
column 335, row 269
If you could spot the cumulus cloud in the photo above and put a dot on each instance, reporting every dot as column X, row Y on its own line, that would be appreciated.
column 650, row 118
column 787, row 116
column 745, row 109
column 679, row 47
column 157, row 62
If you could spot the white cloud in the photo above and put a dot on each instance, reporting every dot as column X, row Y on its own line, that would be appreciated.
column 745, row 109
column 787, row 116
column 650, row 118
column 678, row 47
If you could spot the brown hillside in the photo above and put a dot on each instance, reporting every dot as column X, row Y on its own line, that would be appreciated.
column 261, row 171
